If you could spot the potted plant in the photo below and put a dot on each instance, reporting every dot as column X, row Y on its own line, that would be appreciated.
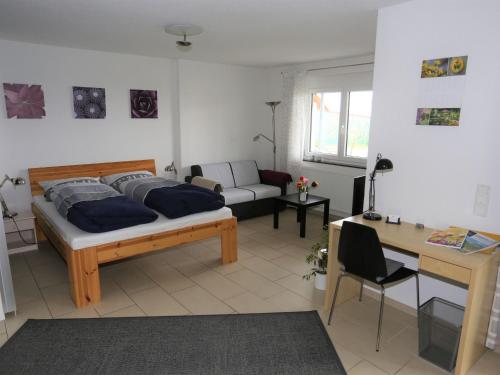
column 319, row 259
column 303, row 187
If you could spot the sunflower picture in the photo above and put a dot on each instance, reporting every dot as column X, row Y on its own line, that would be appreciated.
column 444, row 67
column 457, row 66
column 435, row 68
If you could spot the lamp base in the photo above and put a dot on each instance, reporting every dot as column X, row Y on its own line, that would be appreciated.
column 372, row 215
column 9, row 215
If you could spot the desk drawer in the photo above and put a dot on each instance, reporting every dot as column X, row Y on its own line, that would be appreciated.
column 444, row 269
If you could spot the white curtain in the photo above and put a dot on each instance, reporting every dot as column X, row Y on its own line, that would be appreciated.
column 291, row 121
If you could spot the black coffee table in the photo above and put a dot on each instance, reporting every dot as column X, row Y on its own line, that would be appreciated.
column 293, row 200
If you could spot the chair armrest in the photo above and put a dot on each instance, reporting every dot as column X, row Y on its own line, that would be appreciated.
column 206, row 183
column 275, row 178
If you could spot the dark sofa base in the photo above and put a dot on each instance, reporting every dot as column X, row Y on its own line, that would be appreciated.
column 251, row 209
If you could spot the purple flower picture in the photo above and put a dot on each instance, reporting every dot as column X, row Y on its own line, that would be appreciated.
column 24, row 101
column 89, row 102
column 143, row 104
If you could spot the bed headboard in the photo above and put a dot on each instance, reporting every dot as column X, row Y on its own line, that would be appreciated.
column 37, row 175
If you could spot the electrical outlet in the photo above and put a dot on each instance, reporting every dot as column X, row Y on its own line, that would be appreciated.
column 482, row 200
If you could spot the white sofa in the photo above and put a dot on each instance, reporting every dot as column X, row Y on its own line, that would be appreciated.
column 242, row 187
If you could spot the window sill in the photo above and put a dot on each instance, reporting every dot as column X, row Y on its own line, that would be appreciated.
column 340, row 164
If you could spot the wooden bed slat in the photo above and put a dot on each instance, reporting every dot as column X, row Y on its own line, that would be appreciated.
column 124, row 249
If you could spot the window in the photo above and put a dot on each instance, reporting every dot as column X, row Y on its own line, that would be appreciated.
column 340, row 126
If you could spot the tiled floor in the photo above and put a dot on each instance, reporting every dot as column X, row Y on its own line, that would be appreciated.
column 190, row 280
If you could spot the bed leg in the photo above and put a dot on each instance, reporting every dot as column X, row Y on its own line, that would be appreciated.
column 229, row 243
column 84, row 277
column 40, row 235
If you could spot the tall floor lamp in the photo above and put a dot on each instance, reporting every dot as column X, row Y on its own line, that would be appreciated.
column 273, row 106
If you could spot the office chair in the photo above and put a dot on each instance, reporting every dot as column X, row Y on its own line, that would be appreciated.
column 361, row 256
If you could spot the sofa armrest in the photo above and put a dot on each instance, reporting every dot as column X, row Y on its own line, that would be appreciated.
column 206, row 183
column 275, row 178
column 196, row 170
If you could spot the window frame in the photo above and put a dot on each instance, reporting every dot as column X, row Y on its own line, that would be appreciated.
column 344, row 87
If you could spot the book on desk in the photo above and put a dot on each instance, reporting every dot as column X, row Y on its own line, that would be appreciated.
column 463, row 240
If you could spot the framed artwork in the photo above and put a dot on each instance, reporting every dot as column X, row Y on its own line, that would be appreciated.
column 444, row 67
column 438, row 116
column 143, row 104
column 24, row 101
column 441, row 90
column 89, row 102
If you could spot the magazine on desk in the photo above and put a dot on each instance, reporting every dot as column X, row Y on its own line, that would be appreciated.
column 453, row 237
column 461, row 239
column 475, row 242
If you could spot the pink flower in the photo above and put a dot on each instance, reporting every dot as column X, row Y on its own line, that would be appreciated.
column 24, row 101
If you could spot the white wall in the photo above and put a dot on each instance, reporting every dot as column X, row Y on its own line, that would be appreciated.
column 59, row 138
column 436, row 169
column 207, row 112
column 221, row 108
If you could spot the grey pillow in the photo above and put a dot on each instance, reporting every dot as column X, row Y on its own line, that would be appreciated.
column 49, row 185
column 118, row 181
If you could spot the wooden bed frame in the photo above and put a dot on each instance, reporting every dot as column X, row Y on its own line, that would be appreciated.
column 83, row 264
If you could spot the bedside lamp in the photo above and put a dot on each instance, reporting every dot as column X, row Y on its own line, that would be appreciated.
column 171, row 171
column 381, row 165
column 16, row 181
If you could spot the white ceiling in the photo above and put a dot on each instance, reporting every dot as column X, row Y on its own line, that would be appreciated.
column 248, row 32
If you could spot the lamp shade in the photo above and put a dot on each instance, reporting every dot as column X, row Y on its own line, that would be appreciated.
column 383, row 165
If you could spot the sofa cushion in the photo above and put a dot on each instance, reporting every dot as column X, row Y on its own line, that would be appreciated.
column 245, row 172
column 220, row 172
column 263, row 191
column 235, row 195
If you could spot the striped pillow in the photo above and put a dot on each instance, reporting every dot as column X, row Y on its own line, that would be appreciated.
column 49, row 185
column 118, row 181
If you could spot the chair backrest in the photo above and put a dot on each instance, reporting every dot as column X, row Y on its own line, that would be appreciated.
column 358, row 195
column 360, row 251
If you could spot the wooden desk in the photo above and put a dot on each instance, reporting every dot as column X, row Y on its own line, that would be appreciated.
column 477, row 272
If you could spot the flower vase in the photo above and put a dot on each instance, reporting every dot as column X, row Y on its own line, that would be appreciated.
column 303, row 196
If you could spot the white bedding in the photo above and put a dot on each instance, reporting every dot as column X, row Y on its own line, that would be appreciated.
column 78, row 239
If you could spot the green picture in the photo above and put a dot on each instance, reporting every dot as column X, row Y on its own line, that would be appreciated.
column 423, row 115
column 438, row 116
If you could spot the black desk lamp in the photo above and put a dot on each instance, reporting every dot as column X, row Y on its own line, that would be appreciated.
column 381, row 165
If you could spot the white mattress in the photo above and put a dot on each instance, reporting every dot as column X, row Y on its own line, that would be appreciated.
column 78, row 239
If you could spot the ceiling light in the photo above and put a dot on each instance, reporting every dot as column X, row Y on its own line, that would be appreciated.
column 183, row 30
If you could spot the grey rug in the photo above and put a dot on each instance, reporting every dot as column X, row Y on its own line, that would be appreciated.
column 281, row 343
